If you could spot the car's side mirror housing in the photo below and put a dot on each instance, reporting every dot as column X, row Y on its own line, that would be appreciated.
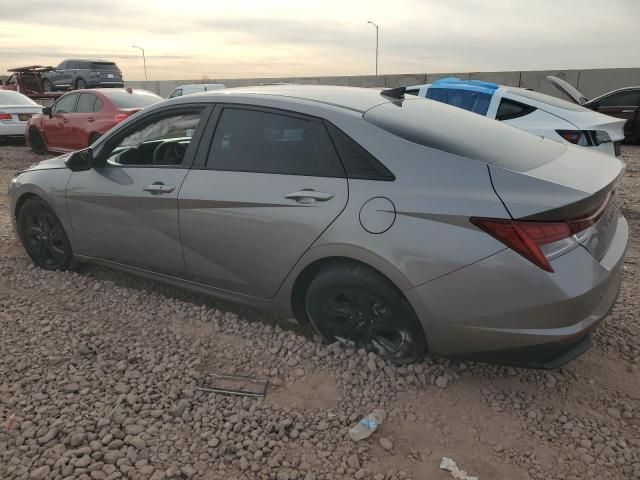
column 47, row 111
column 80, row 161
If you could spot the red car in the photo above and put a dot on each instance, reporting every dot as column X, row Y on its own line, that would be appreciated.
column 79, row 118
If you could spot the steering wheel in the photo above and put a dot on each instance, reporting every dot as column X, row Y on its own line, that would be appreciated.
column 172, row 149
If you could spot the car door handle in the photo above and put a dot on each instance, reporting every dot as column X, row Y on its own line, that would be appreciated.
column 309, row 196
column 159, row 188
column 91, row 119
column 65, row 120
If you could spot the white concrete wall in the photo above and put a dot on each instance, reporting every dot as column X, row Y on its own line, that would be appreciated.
column 591, row 82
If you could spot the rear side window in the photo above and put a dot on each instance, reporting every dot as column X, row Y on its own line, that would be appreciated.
column 412, row 91
column 265, row 142
column 621, row 99
column 98, row 105
column 477, row 102
column 510, row 109
column 357, row 161
column 176, row 93
column 86, row 103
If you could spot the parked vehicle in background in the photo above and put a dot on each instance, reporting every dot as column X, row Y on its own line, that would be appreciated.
column 15, row 111
column 28, row 81
column 195, row 88
column 80, row 74
column 533, row 112
column 622, row 103
column 390, row 223
column 80, row 117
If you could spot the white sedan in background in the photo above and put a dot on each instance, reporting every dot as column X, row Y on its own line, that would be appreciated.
column 15, row 111
column 534, row 112
column 183, row 90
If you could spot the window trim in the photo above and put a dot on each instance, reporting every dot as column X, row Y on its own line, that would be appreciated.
column 194, row 145
column 207, row 142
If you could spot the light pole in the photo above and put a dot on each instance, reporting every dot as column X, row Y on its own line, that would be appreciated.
column 144, row 61
column 377, row 38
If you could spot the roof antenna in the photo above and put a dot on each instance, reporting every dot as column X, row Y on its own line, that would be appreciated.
column 394, row 92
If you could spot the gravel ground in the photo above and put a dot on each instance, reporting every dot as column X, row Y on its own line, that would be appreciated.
column 99, row 368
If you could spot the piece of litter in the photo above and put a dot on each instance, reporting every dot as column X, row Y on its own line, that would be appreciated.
column 450, row 465
column 238, row 385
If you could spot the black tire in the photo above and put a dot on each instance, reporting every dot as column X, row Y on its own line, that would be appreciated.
column 36, row 142
column 93, row 138
column 47, row 86
column 80, row 83
column 360, row 308
column 43, row 236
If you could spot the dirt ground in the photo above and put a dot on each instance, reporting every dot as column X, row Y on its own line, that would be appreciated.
column 98, row 371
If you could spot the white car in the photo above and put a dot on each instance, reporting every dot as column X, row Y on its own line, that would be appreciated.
column 15, row 111
column 534, row 112
column 195, row 88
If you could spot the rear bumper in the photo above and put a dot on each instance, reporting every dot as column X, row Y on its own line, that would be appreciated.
column 12, row 129
column 507, row 310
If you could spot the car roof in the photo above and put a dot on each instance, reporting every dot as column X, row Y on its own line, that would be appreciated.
column 352, row 98
column 97, row 60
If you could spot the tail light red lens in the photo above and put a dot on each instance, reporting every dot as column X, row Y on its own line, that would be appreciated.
column 5, row 116
column 527, row 237
column 572, row 136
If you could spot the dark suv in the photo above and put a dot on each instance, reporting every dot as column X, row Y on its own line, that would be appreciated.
column 82, row 74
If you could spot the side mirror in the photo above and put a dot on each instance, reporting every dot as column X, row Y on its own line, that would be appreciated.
column 47, row 111
column 80, row 161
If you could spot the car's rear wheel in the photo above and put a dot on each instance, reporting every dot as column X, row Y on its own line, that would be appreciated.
column 36, row 142
column 43, row 237
column 360, row 308
column 94, row 138
column 81, row 83
column 47, row 86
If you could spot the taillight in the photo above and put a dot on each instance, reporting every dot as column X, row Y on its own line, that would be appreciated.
column 120, row 117
column 577, row 137
column 5, row 116
column 539, row 242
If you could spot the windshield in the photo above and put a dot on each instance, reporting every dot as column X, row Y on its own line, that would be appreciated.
column 104, row 66
column 15, row 98
column 548, row 99
column 136, row 99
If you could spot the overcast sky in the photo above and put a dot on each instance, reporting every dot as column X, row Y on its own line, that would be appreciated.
column 189, row 39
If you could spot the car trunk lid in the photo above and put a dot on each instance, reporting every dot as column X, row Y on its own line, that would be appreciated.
column 569, row 90
column 578, row 188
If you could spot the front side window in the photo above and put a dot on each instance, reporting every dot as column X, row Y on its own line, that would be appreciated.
column 477, row 102
column 621, row 99
column 162, row 142
column 176, row 93
column 264, row 142
column 86, row 103
column 66, row 104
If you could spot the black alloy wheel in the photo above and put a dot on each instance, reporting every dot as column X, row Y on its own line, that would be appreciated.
column 356, row 306
column 43, row 237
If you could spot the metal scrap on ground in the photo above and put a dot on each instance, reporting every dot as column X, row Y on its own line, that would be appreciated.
column 239, row 385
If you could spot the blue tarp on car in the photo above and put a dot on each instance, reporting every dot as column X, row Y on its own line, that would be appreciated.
column 472, row 95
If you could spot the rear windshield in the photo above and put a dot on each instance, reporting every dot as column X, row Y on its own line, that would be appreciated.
column 136, row 99
column 104, row 66
column 453, row 130
column 15, row 98
column 548, row 99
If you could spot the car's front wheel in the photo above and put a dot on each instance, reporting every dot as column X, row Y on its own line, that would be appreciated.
column 42, row 236
column 355, row 305
column 36, row 142
column 81, row 83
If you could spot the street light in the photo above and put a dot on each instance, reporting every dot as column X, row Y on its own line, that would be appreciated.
column 144, row 60
column 377, row 38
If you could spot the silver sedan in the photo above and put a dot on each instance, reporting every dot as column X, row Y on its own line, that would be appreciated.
column 399, row 225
